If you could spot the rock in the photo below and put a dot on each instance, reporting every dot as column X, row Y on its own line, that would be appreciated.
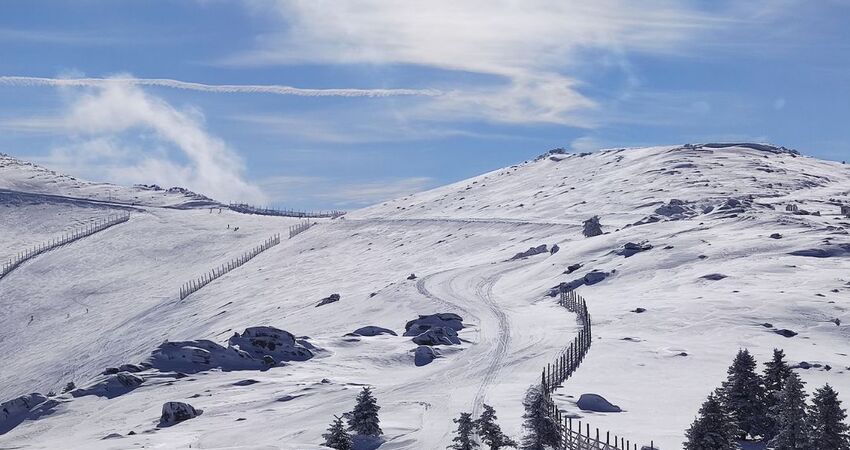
column 333, row 298
column 247, row 382
column 176, row 412
column 639, row 310
column 631, row 249
column 412, row 276
column 785, row 332
column 829, row 252
column 373, row 331
column 111, row 436
column 70, row 387
column 776, row 236
column 592, row 227
column 554, row 249
column 424, row 323
column 595, row 277
column 596, row 403
column 423, row 355
column 268, row 361
column 588, row 279
column 530, row 252
column 572, row 268
column 713, row 276
column 438, row 336
column 675, row 209
column 110, row 386
column 767, row 325
column 279, row 344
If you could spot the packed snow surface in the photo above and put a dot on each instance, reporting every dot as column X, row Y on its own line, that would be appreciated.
column 687, row 271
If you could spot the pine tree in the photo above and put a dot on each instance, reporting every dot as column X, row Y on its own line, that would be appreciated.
column 714, row 427
column 790, row 415
column 775, row 373
column 826, row 421
column 541, row 430
column 465, row 429
column 743, row 393
column 364, row 419
column 490, row 432
column 337, row 436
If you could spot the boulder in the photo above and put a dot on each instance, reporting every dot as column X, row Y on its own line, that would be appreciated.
column 176, row 412
column 531, row 252
column 675, row 209
column 572, row 268
column 200, row 355
column 592, row 227
column 713, row 276
column 554, row 249
column 110, row 386
column 596, row 403
column 423, row 355
column 333, row 298
column 631, row 248
column 438, row 336
column 373, row 331
column 412, row 276
column 785, row 332
column 261, row 341
column 776, row 236
column 425, row 322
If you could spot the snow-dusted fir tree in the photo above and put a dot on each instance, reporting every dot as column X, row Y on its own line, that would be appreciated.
column 776, row 371
column 790, row 414
column 465, row 439
column 743, row 393
column 826, row 421
column 337, row 436
column 714, row 427
column 490, row 432
column 364, row 419
column 541, row 432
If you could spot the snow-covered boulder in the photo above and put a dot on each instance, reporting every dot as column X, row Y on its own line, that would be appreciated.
column 279, row 344
column 418, row 326
column 675, row 209
column 438, row 336
column 596, row 403
column 423, row 355
column 18, row 408
column 631, row 248
column 176, row 412
column 373, row 331
column 110, row 386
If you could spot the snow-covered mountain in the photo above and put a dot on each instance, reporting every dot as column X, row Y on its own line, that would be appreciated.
column 699, row 238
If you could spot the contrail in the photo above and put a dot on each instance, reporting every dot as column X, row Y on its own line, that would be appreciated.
column 216, row 88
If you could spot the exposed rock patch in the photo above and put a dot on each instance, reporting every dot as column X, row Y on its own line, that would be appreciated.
column 596, row 403
column 333, row 298
column 176, row 412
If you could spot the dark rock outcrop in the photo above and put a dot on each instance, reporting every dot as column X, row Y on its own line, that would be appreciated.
column 423, row 355
column 426, row 322
column 176, row 412
column 596, row 403
column 631, row 248
column 438, row 336
column 260, row 341
column 531, row 252
column 333, row 298
column 592, row 227
column 373, row 331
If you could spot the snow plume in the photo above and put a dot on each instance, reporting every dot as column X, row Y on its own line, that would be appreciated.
column 214, row 88
column 103, row 117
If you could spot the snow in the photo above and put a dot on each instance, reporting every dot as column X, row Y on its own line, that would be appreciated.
column 111, row 298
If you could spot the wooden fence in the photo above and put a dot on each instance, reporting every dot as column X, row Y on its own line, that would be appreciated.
column 194, row 285
column 77, row 233
column 265, row 211
column 578, row 436
column 295, row 230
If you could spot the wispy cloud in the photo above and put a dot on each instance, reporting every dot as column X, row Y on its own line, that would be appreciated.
column 213, row 88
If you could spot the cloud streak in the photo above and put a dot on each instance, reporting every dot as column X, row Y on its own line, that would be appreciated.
column 23, row 81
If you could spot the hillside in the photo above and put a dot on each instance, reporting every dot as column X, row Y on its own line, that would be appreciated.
column 717, row 257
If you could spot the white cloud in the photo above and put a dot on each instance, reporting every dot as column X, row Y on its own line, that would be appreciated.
column 531, row 46
column 104, row 118
column 325, row 191
column 213, row 88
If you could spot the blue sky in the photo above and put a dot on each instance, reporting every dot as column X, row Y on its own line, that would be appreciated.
column 393, row 97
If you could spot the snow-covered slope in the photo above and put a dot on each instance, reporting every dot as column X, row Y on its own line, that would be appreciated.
column 112, row 298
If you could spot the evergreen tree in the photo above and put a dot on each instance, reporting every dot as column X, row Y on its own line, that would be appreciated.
column 541, row 430
column 775, row 373
column 714, row 427
column 337, row 436
column 790, row 415
column 743, row 393
column 465, row 429
column 364, row 419
column 826, row 419
column 490, row 432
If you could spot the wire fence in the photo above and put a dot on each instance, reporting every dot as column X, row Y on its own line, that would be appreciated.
column 75, row 234
column 578, row 436
column 295, row 230
column 266, row 211
column 193, row 286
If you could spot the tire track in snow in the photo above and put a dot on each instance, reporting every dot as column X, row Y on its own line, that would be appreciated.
column 483, row 290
